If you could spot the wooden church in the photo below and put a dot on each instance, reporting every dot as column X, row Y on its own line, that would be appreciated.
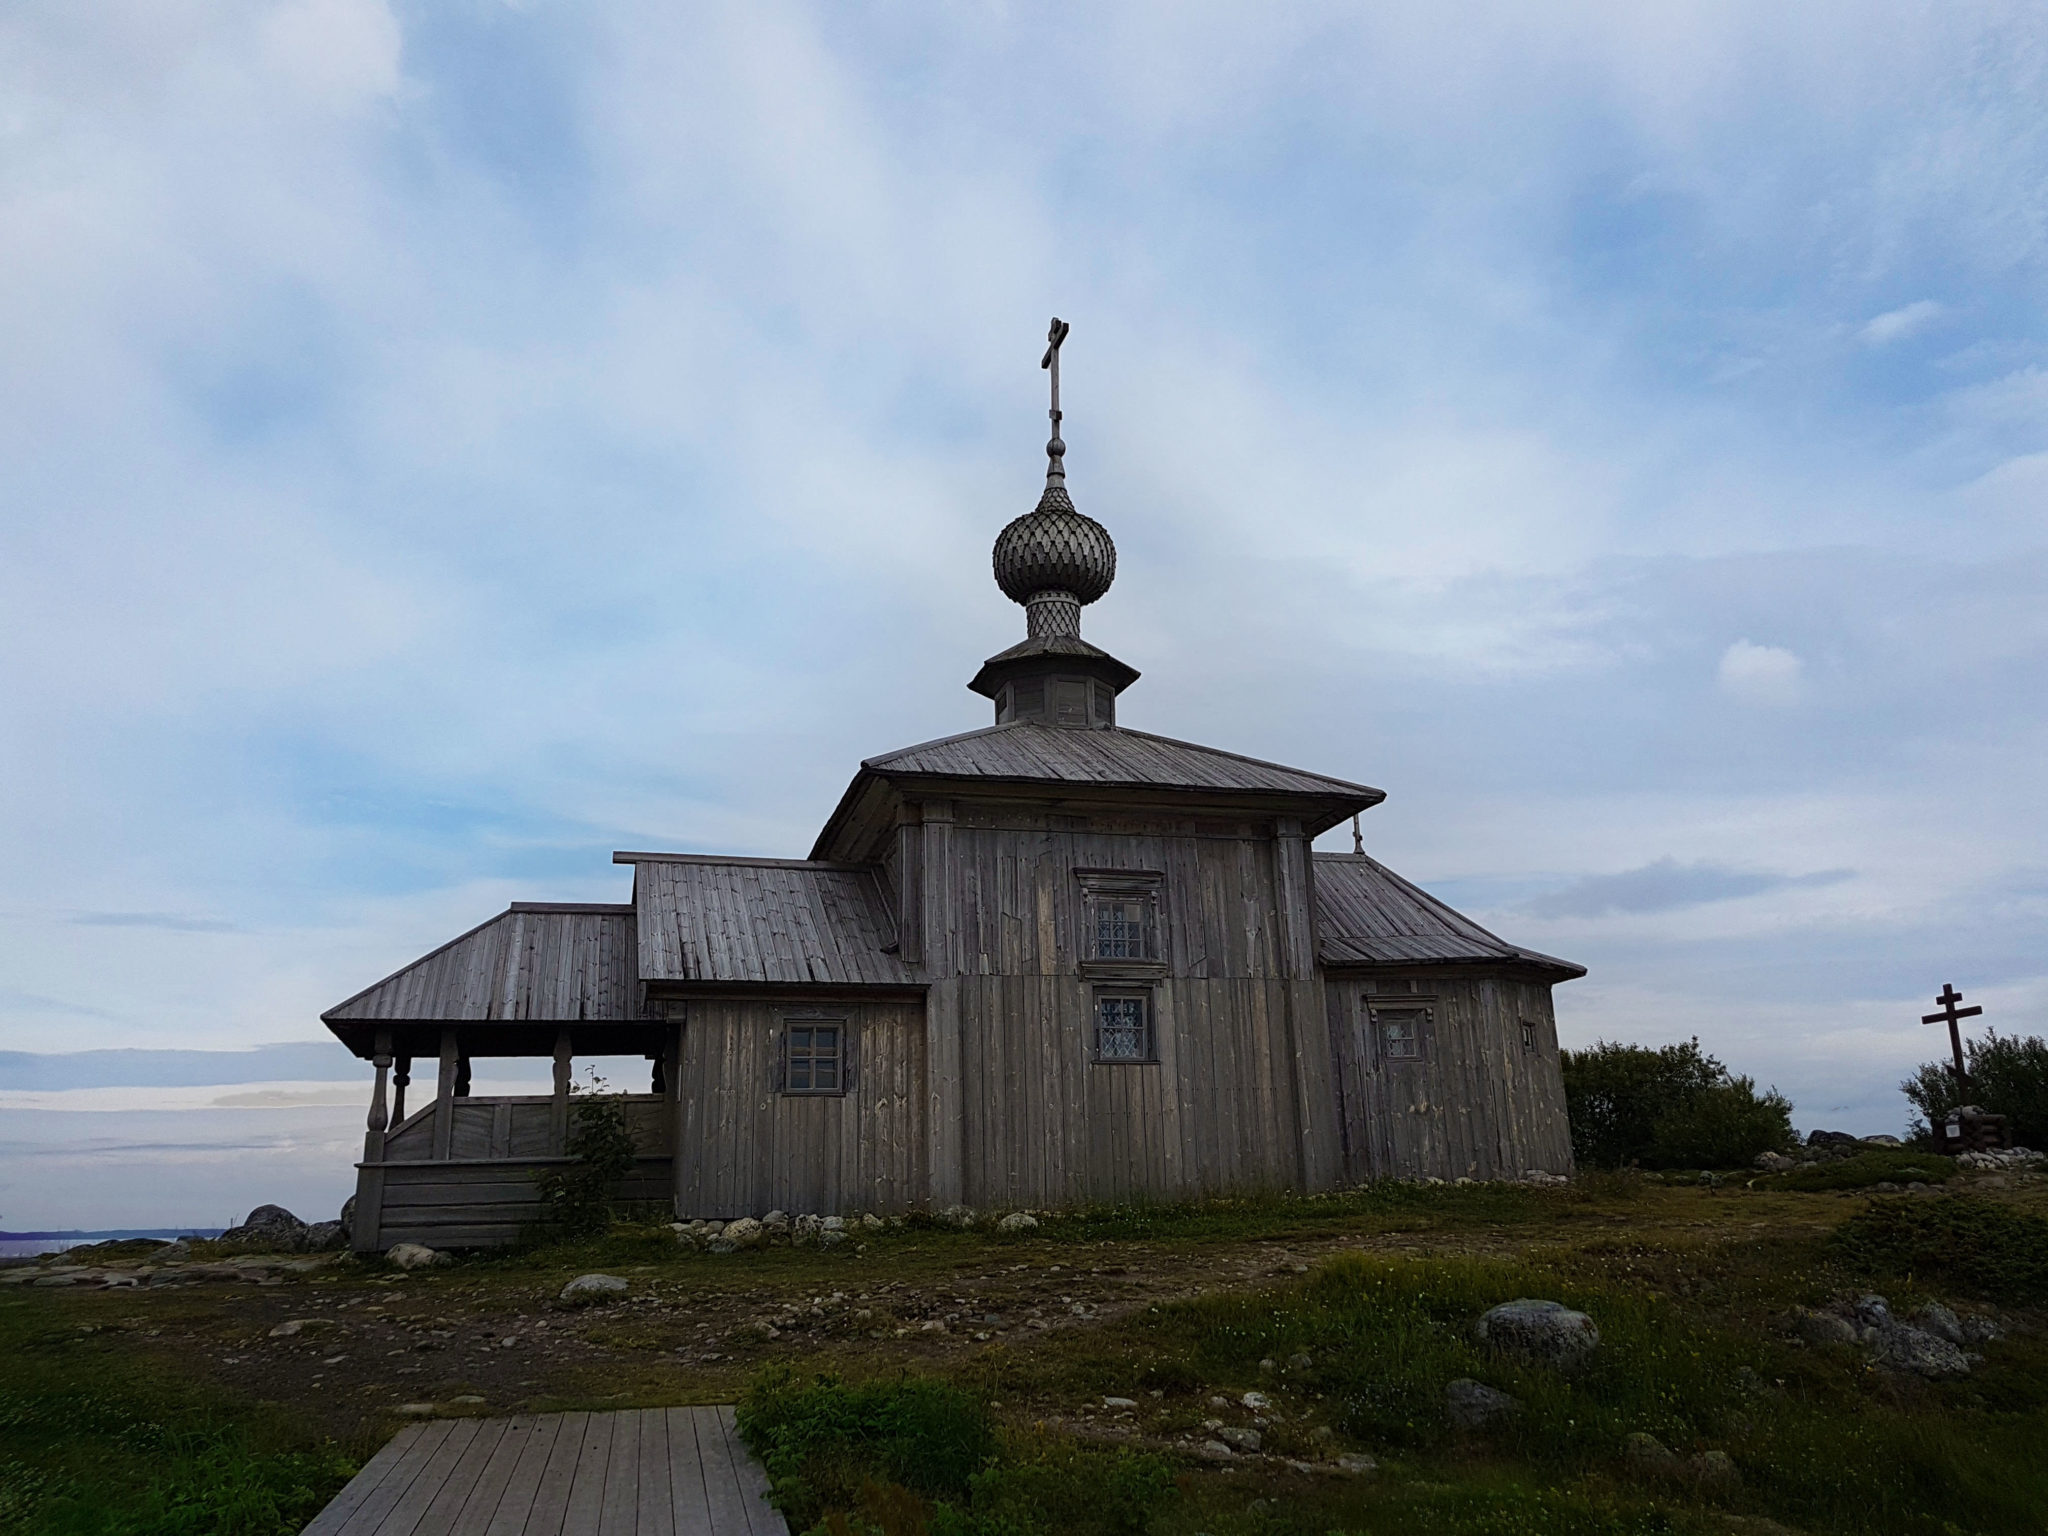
column 1050, row 961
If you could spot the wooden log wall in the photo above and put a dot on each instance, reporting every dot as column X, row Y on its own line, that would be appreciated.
column 1242, row 1095
column 485, row 1202
column 744, row 1148
column 1475, row 1104
column 519, row 1126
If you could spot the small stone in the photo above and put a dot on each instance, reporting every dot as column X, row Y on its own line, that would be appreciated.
column 1981, row 1330
column 1322, row 1433
column 289, row 1329
column 1775, row 1162
column 1715, row 1467
column 1258, row 1402
column 832, row 1237
column 1474, row 1405
column 1267, row 1367
column 1215, row 1450
column 872, row 1222
column 1824, row 1328
column 1649, row 1453
column 1357, row 1464
column 416, row 1256
column 468, row 1399
column 1300, row 1362
column 594, row 1288
column 1872, row 1311
column 722, row 1245
column 1219, row 1402
column 416, row 1410
column 1246, row 1440
column 744, row 1233
column 714, row 1228
column 1017, row 1221
column 776, row 1221
column 961, row 1216
column 1544, row 1331
column 1119, row 1402
column 934, row 1326
column 833, row 1223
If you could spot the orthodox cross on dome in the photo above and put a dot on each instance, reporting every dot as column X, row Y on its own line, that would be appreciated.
column 1950, row 1015
column 1055, row 450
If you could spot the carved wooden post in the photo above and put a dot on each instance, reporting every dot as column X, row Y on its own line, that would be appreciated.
column 558, row 1121
column 945, row 1098
column 370, row 1175
column 444, row 1098
column 401, row 1076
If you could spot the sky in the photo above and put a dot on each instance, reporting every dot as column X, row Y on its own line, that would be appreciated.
column 443, row 443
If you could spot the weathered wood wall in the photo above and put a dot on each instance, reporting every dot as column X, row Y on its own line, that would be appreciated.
column 1241, row 1095
column 519, row 1126
column 744, row 1148
column 485, row 1202
column 1476, row 1104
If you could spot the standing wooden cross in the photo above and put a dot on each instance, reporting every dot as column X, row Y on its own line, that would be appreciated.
column 1055, row 449
column 1951, row 1015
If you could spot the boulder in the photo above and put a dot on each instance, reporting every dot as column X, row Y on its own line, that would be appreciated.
column 1824, row 1328
column 1775, row 1162
column 1716, row 1468
column 1981, row 1330
column 1882, row 1141
column 833, row 1223
column 326, row 1236
column 416, row 1256
column 832, row 1237
column 1244, row 1441
column 348, row 1213
column 1649, row 1454
column 961, row 1216
column 1300, row 1361
column 1215, row 1450
column 1941, row 1322
column 1872, row 1312
column 1017, row 1221
column 1909, row 1350
column 586, row 1289
column 745, row 1233
column 871, row 1222
column 1545, row 1331
column 1474, row 1405
column 1831, row 1139
column 270, row 1227
column 1257, row 1402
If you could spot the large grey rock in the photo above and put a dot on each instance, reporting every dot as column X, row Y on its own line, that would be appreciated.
column 1776, row 1162
column 745, row 1233
column 1904, row 1348
column 585, row 1289
column 270, row 1227
column 348, row 1213
column 1545, row 1331
column 325, row 1236
column 1872, row 1312
column 416, row 1256
column 1826, row 1328
column 1474, row 1405
column 1017, row 1221
column 1649, row 1454
column 1939, row 1321
column 1246, row 1441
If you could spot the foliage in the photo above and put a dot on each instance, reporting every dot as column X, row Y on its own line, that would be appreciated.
column 919, row 1455
column 94, row 1445
column 1971, row 1246
column 1669, row 1107
column 1722, row 1126
column 580, row 1198
column 1879, row 1165
column 2008, row 1076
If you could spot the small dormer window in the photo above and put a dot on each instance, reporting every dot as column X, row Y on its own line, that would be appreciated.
column 1120, row 919
column 1070, row 701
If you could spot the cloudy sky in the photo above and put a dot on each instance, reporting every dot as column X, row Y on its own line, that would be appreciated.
column 442, row 443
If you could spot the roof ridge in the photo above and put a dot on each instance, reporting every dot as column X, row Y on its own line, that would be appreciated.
column 1256, row 762
column 746, row 860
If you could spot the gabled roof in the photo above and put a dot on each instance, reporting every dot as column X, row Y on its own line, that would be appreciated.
column 547, row 963
column 793, row 921
column 1368, row 915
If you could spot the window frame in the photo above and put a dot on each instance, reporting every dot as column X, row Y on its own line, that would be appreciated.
column 1422, row 1010
column 1148, row 1014
column 1532, row 1036
column 1139, row 885
column 843, row 1055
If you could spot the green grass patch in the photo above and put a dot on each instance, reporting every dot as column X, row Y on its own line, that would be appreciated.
column 921, row 1455
column 93, row 1443
column 1878, row 1166
column 1963, row 1244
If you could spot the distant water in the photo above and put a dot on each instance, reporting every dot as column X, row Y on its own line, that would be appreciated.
column 15, row 1245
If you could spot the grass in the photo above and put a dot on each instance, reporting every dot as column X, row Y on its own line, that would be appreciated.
column 1969, row 1247
column 94, row 1444
column 1864, row 1169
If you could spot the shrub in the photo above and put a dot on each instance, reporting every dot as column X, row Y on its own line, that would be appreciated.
column 1724, row 1126
column 579, row 1198
column 1961, row 1244
column 1669, row 1107
column 2008, row 1076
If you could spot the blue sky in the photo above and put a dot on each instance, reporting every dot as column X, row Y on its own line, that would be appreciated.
column 441, row 444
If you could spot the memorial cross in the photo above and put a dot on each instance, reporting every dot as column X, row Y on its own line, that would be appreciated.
column 1951, row 1015
column 1055, row 450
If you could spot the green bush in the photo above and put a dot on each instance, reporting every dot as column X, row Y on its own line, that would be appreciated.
column 1961, row 1244
column 1669, row 1107
column 2008, row 1076
column 580, row 1199
column 923, row 1456
column 1878, row 1166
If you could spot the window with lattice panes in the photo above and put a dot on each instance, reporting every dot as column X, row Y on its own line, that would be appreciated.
column 1120, row 926
column 1400, row 1032
column 814, row 1057
column 1123, row 1026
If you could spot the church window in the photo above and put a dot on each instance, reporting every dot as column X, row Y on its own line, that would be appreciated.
column 1400, row 1032
column 814, row 1057
column 1529, row 1036
column 1069, row 702
column 1123, row 1027
column 1121, row 926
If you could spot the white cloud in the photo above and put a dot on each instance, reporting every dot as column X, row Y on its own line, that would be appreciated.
column 1897, row 324
column 1760, row 674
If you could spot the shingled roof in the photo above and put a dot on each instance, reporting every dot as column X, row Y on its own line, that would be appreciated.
column 791, row 921
column 535, row 963
column 1368, row 915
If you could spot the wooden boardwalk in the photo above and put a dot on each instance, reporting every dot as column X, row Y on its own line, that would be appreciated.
column 644, row 1472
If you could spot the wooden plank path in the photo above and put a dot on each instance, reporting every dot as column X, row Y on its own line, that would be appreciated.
column 643, row 1472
